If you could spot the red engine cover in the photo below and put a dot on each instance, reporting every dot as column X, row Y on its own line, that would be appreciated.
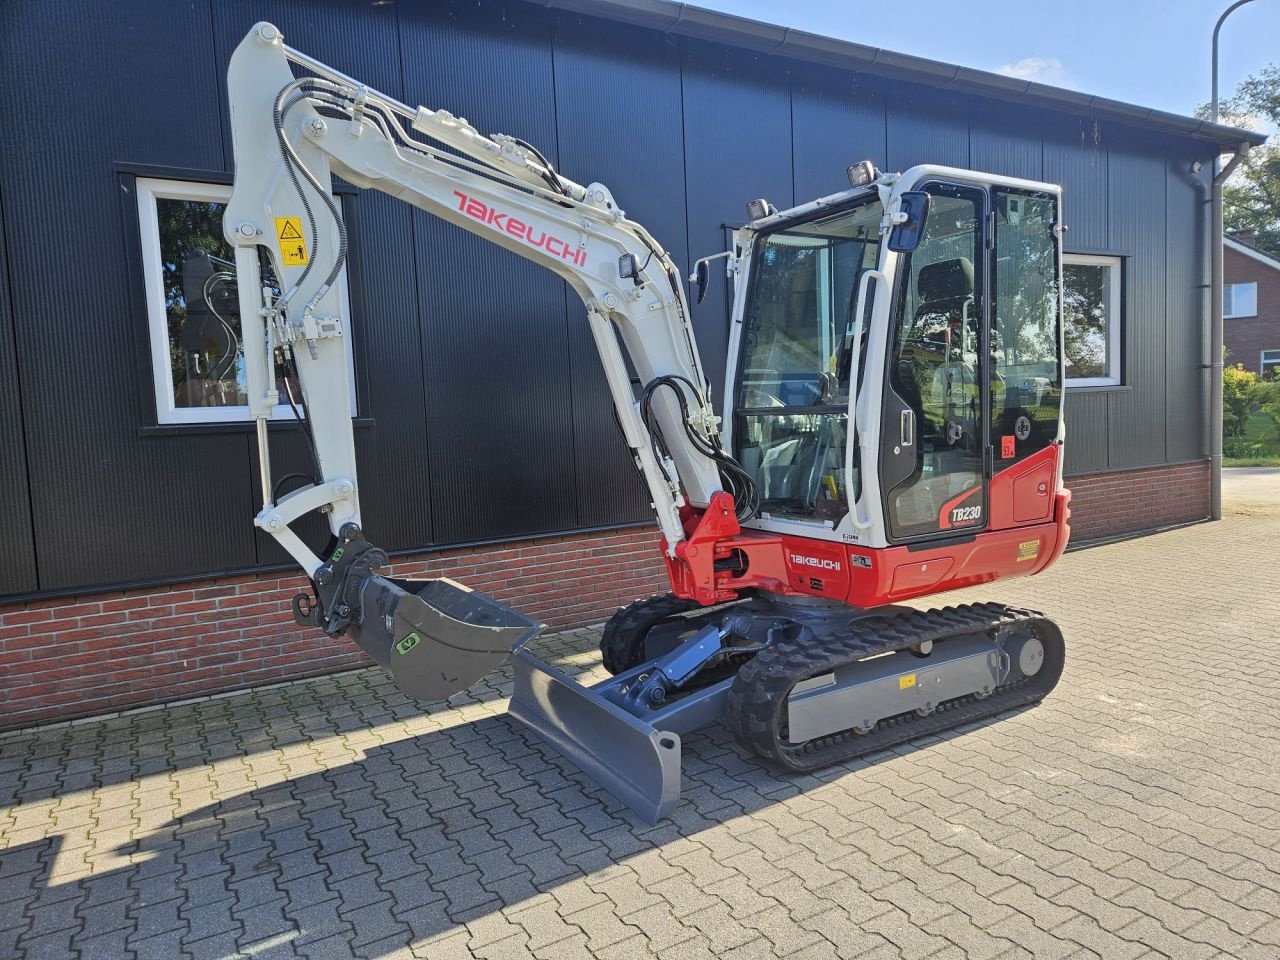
column 1028, row 531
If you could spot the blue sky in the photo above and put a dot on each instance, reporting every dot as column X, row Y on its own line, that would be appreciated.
column 1149, row 52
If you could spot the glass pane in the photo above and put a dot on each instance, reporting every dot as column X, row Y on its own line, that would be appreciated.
column 1240, row 300
column 798, row 462
column 1086, row 304
column 205, row 353
column 935, row 371
column 1247, row 299
column 796, row 356
column 1026, row 391
column 202, row 308
column 1270, row 364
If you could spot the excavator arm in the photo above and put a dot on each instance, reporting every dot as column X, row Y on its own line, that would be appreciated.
column 291, row 134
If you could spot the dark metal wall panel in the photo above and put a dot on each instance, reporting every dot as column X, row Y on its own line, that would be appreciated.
column 97, row 88
column 393, row 454
column 1085, row 412
column 926, row 126
column 1136, row 416
column 1075, row 157
column 494, row 326
column 1008, row 142
column 364, row 42
column 359, row 39
column 618, row 119
column 737, row 137
column 1187, row 308
column 836, row 120
column 18, row 558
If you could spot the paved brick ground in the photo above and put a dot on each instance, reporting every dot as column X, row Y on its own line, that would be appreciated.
column 1134, row 814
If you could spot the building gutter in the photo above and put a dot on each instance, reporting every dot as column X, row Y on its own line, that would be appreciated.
column 1215, row 329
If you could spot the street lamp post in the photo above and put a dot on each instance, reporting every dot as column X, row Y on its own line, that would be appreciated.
column 1215, row 287
column 1217, row 28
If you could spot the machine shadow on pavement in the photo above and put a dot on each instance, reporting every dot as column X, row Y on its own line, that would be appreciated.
column 418, row 837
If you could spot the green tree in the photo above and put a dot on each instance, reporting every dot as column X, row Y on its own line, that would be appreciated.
column 1251, row 198
column 1239, row 394
column 1267, row 396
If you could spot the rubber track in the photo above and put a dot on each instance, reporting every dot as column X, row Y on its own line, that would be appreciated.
column 622, row 642
column 758, row 697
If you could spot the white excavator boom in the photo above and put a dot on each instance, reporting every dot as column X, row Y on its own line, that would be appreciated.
column 291, row 134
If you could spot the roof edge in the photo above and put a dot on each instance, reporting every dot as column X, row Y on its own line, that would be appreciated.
column 684, row 19
column 1245, row 250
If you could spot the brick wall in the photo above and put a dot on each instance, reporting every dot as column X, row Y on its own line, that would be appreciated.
column 1245, row 338
column 1130, row 501
column 67, row 658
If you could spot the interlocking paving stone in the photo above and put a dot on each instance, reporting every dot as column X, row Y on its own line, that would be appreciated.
column 1134, row 814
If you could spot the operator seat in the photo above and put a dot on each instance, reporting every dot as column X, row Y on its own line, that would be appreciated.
column 942, row 291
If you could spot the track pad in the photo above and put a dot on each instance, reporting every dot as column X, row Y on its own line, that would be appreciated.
column 436, row 637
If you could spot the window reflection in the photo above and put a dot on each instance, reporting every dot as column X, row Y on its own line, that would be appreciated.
column 202, row 308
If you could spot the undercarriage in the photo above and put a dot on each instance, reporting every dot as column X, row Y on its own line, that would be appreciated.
column 802, row 684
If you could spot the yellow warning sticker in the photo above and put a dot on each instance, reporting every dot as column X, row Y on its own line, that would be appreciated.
column 293, row 249
column 907, row 682
column 1028, row 550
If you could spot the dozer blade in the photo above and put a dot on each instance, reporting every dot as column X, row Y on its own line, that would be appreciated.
column 636, row 762
column 436, row 637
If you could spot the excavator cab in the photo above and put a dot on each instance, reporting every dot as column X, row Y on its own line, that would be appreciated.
column 932, row 326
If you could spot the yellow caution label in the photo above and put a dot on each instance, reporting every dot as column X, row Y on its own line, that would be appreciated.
column 907, row 682
column 293, row 249
column 1028, row 550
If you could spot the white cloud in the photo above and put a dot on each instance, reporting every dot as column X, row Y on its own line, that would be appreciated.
column 1040, row 69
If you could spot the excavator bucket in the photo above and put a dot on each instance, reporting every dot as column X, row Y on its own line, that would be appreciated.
column 435, row 637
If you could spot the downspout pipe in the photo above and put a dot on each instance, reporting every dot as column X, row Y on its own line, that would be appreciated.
column 1215, row 331
column 1215, row 283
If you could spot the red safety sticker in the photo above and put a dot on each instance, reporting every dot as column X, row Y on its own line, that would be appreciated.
column 1008, row 448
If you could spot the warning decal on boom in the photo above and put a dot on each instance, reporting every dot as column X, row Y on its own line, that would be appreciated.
column 293, row 249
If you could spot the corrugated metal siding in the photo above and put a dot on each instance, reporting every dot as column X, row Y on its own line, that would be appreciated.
column 18, row 558
column 1009, row 143
column 1076, row 158
column 737, row 138
column 491, row 414
column 97, row 88
column 1086, row 415
column 926, row 126
column 835, row 122
column 494, row 326
column 618, row 121
column 1136, row 417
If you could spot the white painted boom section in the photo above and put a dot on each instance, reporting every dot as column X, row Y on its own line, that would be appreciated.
column 291, row 134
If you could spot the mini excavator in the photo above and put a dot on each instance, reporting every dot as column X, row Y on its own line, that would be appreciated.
column 891, row 428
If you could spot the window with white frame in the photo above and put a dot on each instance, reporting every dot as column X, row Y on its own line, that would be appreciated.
column 197, row 357
column 1269, row 364
column 1091, row 319
column 1239, row 300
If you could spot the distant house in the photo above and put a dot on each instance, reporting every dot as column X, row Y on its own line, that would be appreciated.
column 1251, row 305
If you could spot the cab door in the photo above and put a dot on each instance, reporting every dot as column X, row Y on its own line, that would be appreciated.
column 936, row 409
